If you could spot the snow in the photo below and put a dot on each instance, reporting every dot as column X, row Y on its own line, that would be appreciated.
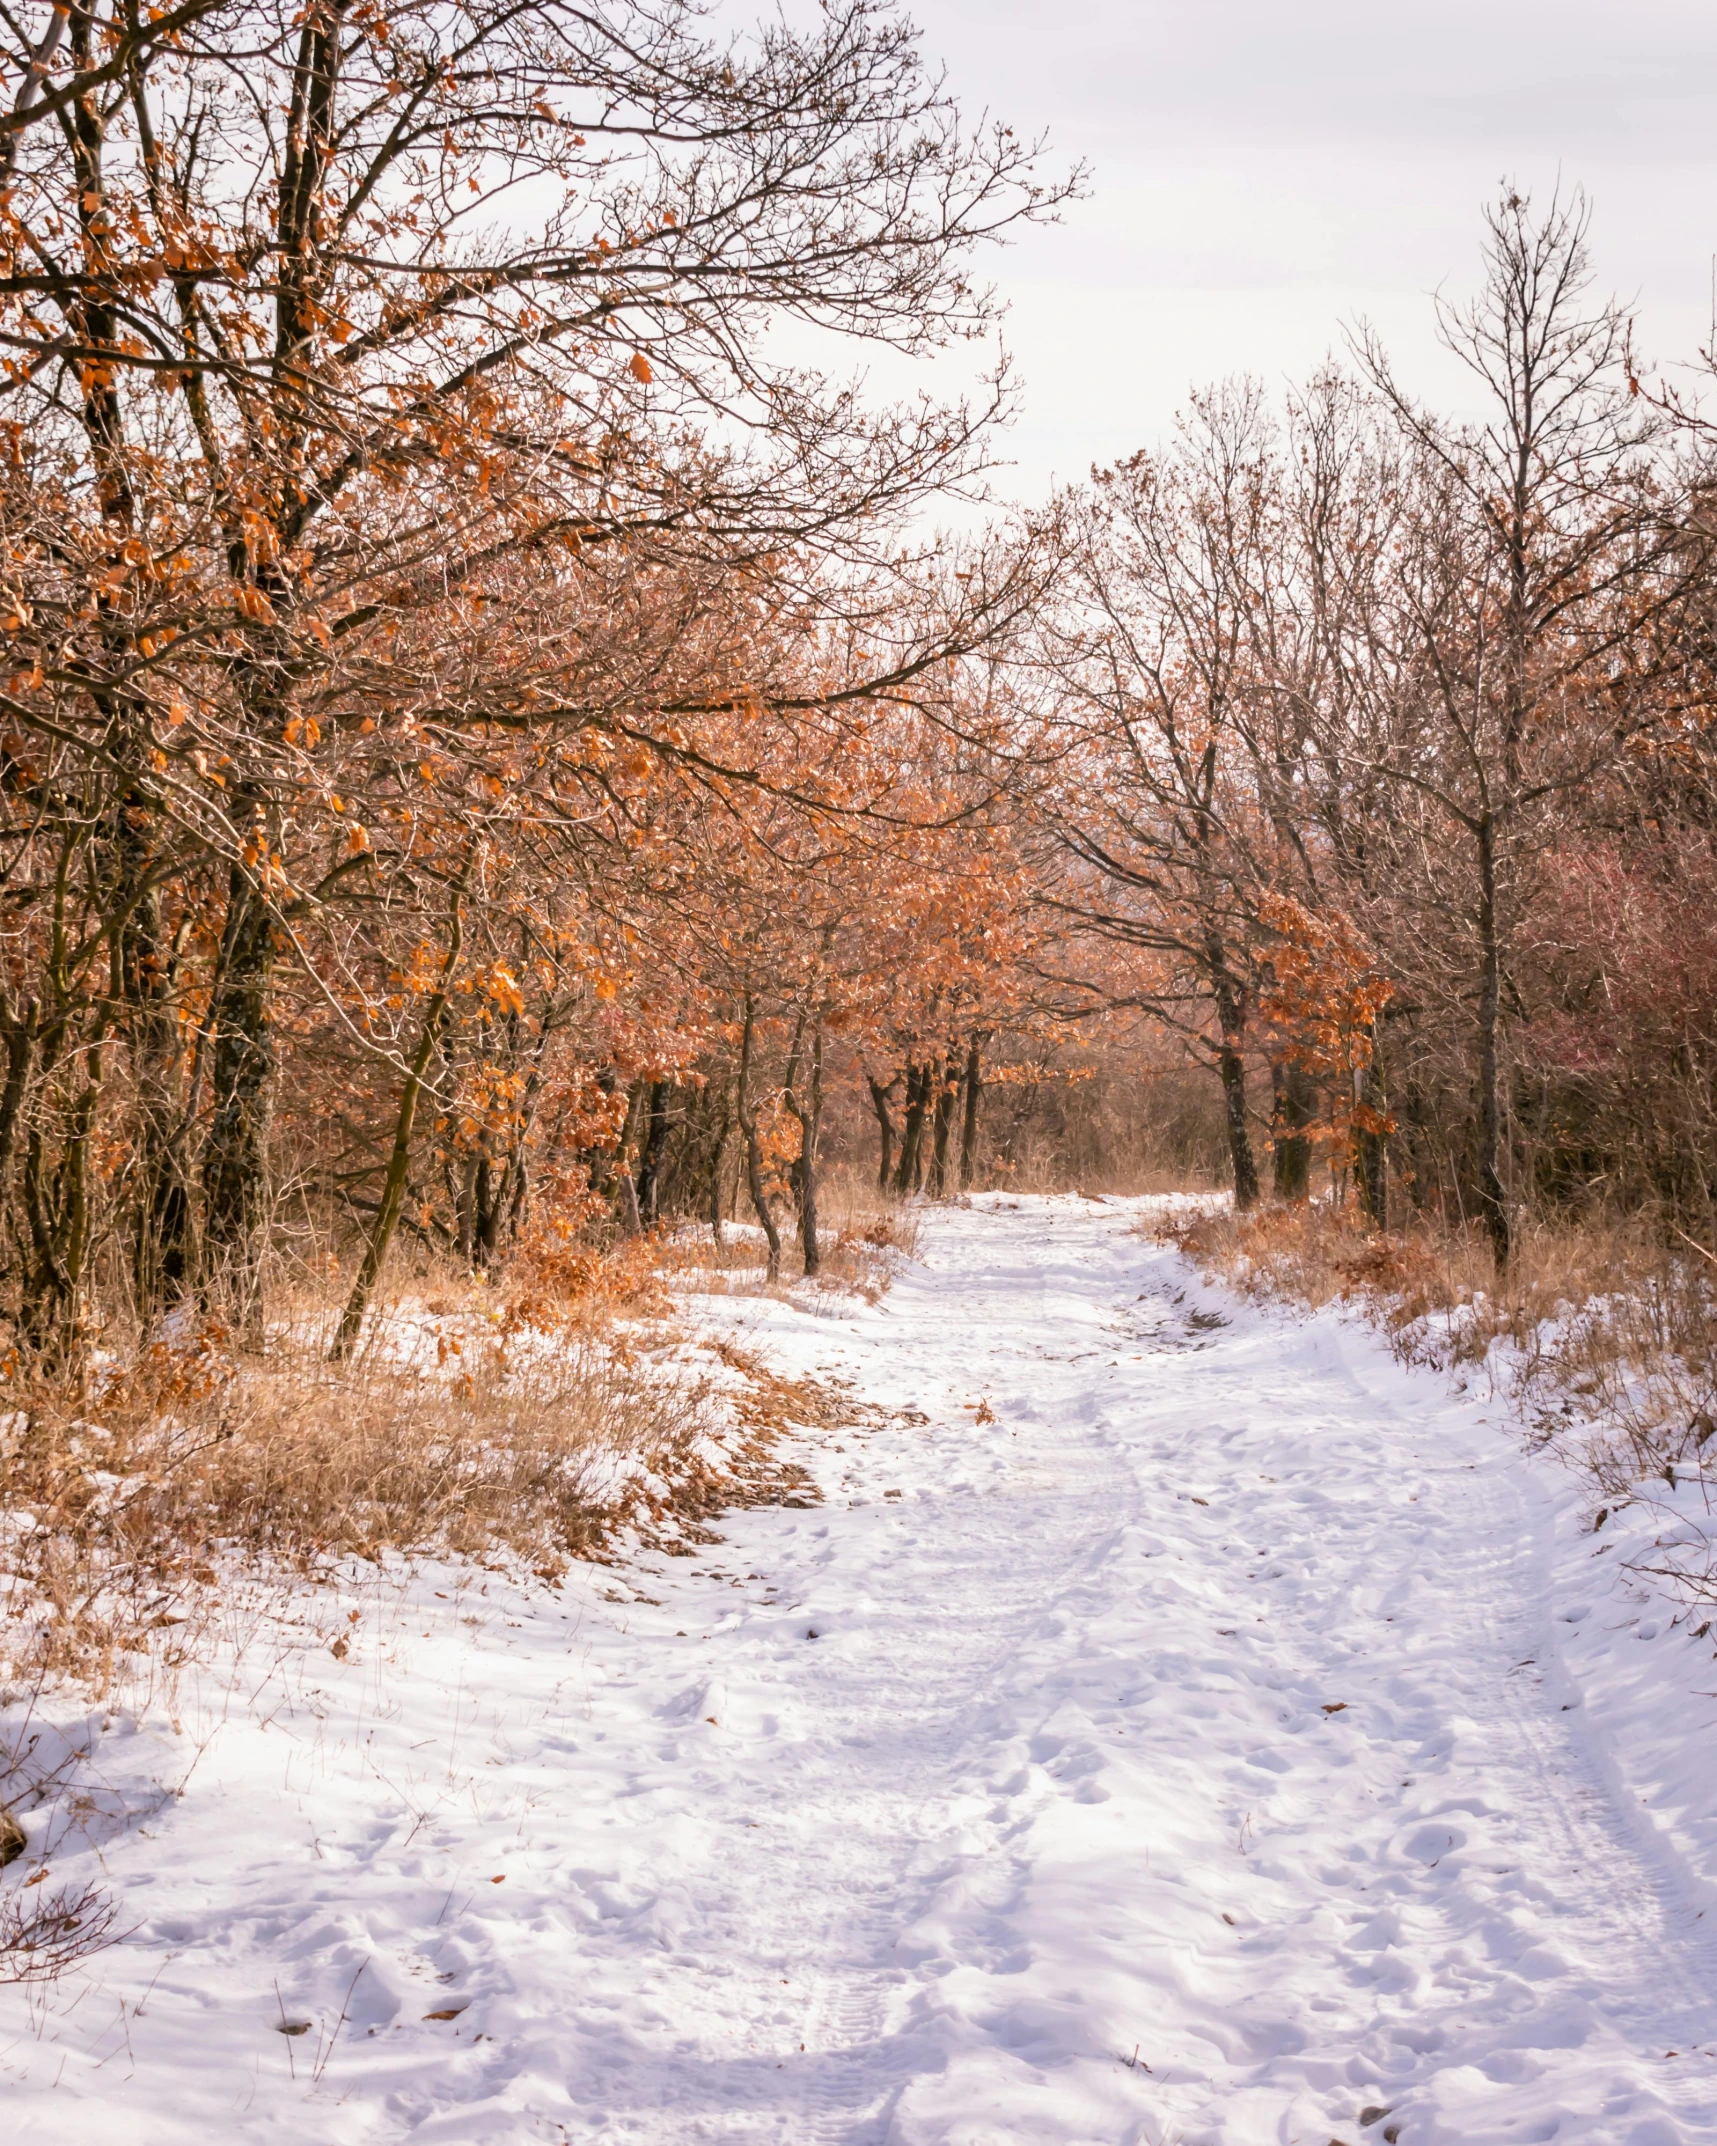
column 1180, row 1721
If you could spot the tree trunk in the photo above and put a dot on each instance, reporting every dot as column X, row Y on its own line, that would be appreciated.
column 1231, row 1070
column 485, row 1209
column 655, row 1149
column 942, row 1126
column 399, row 1162
column 809, row 1113
column 908, row 1171
column 19, row 1032
column 1232, row 1073
column 1295, row 1103
column 625, row 1181
column 519, row 1192
column 53, row 1317
column 235, row 1160
column 754, row 1146
column 1371, row 1139
column 161, row 1237
column 974, row 1084
column 879, row 1096
column 1493, row 1201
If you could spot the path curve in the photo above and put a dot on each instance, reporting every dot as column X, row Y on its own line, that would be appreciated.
column 1164, row 1730
column 1181, row 1756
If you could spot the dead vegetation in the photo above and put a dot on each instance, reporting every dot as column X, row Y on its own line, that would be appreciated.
column 179, row 1493
column 1607, row 1334
column 43, row 1933
column 183, row 1496
column 869, row 1234
column 536, row 1423
column 533, row 1426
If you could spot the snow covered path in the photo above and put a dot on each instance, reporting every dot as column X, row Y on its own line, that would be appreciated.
column 1196, row 1751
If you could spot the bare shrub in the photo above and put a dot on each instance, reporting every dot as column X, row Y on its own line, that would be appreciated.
column 42, row 1933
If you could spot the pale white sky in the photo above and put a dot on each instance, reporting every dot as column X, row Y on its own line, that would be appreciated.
column 1262, row 173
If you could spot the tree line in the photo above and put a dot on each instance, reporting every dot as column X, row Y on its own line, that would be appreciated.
column 459, row 673
column 486, row 743
column 1391, row 761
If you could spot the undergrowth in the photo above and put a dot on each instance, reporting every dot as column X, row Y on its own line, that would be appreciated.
column 184, row 1490
column 537, row 1419
column 466, row 1425
column 1604, row 1335
column 864, row 1236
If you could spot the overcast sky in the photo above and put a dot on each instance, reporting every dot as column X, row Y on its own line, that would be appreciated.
column 1263, row 173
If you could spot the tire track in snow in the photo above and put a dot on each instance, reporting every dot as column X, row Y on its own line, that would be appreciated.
column 1194, row 1700
column 1485, row 1997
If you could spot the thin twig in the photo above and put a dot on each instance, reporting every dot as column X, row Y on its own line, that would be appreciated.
column 322, row 2060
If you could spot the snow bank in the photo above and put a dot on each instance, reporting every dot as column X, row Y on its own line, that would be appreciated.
column 1179, row 1722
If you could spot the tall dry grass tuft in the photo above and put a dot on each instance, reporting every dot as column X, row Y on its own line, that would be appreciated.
column 1608, row 1332
column 467, row 1423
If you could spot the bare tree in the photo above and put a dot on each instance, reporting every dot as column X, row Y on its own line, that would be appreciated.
column 1538, row 547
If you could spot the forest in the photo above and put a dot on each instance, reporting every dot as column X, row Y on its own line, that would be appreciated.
column 859, row 1308
column 500, row 751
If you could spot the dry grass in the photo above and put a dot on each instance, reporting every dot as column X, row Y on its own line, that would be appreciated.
column 864, row 1235
column 533, row 1422
column 1606, row 1332
column 187, row 1491
column 531, row 1426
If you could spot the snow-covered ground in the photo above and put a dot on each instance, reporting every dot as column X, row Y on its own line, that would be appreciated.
column 1179, row 1722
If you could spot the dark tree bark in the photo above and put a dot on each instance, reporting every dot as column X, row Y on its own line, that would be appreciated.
column 974, row 1089
column 1371, row 1139
column 1295, row 1095
column 1493, row 1200
column 625, row 1180
column 909, row 1170
column 235, row 1159
column 1231, row 1070
column 655, row 1150
column 754, row 1145
column 18, row 1032
column 53, row 1316
column 161, row 1251
column 879, row 1095
column 942, row 1126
